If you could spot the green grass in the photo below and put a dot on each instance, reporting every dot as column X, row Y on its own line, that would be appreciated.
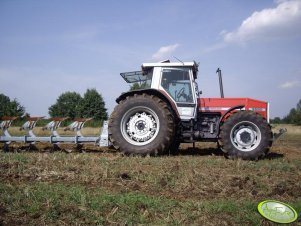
column 90, row 206
column 46, row 188
column 49, row 203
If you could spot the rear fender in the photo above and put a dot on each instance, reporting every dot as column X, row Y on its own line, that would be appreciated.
column 154, row 92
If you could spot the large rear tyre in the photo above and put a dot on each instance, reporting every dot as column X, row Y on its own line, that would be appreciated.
column 174, row 148
column 141, row 124
column 245, row 135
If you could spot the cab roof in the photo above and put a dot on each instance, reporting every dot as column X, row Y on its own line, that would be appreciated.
column 167, row 63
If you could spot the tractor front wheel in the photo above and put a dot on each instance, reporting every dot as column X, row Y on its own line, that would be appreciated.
column 245, row 135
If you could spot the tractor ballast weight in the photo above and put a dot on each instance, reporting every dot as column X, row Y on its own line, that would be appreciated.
column 167, row 111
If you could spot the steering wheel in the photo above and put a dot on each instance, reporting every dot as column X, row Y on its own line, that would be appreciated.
column 180, row 93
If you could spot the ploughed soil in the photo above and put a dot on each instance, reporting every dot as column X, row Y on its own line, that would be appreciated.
column 196, row 176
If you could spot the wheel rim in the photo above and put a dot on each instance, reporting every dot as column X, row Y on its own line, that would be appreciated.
column 245, row 136
column 140, row 125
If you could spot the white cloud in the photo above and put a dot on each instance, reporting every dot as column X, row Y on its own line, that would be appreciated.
column 279, row 22
column 164, row 52
column 214, row 47
column 290, row 84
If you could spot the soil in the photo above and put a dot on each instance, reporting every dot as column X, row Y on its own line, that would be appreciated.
column 196, row 174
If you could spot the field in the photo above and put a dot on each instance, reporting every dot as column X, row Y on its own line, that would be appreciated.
column 101, row 187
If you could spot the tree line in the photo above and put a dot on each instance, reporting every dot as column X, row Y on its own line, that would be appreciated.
column 293, row 117
column 68, row 104
column 10, row 107
column 92, row 105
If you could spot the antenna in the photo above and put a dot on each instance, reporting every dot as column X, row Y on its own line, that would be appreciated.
column 219, row 73
column 179, row 60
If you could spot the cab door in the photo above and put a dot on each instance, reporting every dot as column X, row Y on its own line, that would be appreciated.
column 178, row 83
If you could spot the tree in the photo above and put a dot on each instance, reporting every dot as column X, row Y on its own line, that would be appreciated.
column 137, row 86
column 276, row 120
column 10, row 107
column 71, row 104
column 298, row 107
column 93, row 105
column 294, row 116
column 67, row 105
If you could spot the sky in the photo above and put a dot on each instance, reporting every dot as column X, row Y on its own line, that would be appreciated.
column 51, row 47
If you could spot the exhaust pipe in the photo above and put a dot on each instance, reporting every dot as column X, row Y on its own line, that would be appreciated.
column 219, row 72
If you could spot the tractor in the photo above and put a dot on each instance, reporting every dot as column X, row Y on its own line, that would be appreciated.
column 164, row 112
column 167, row 110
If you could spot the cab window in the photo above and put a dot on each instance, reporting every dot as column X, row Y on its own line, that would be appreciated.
column 176, row 82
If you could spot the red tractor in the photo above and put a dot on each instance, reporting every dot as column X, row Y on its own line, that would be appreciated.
column 167, row 111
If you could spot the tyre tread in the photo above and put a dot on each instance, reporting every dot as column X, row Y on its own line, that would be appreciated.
column 157, row 147
column 225, row 141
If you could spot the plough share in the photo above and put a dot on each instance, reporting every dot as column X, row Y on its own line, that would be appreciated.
column 52, row 126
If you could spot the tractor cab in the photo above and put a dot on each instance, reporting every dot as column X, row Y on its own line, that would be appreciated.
column 175, row 81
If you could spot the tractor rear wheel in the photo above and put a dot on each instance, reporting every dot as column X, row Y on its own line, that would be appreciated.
column 245, row 135
column 141, row 124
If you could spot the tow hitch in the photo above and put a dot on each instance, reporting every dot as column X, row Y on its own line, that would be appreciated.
column 279, row 134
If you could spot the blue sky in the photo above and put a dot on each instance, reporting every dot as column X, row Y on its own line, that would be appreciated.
column 50, row 47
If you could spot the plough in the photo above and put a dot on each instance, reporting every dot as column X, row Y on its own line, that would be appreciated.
column 52, row 126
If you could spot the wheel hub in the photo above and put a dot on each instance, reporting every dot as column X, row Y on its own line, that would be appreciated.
column 141, row 127
column 245, row 136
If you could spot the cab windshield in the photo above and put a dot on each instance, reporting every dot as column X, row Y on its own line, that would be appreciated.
column 139, row 79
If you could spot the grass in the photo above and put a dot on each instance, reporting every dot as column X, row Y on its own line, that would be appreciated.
column 44, row 204
column 291, row 129
column 46, row 188
column 86, row 206
column 197, row 187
